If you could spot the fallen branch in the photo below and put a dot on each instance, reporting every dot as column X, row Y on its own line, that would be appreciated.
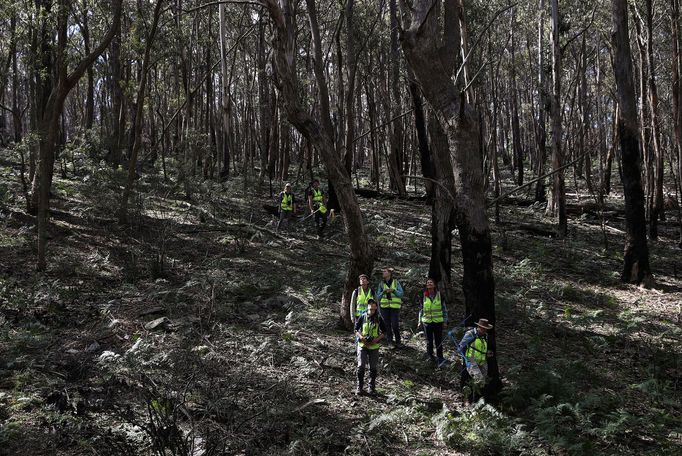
column 531, row 182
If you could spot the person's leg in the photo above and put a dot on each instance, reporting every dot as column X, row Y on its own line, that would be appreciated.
column 395, row 323
column 373, row 369
column 386, row 315
column 438, row 338
column 466, row 384
column 281, row 220
column 362, row 362
column 428, row 329
column 323, row 222
column 318, row 223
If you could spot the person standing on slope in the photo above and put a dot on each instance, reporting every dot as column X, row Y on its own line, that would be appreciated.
column 369, row 330
column 433, row 315
column 390, row 296
column 360, row 297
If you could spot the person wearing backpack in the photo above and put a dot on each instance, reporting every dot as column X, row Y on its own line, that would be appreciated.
column 361, row 295
column 390, row 296
column 317, row 203
column 287, row 206
column 369, row 331
column 473, row 348
column 433, row 315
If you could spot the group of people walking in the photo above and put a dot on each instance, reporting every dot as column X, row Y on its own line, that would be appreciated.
column 376, row 312
column 316, row 201
column 376, row 317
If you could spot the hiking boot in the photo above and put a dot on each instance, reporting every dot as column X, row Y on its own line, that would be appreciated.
column 372, row 383
column 359, row 391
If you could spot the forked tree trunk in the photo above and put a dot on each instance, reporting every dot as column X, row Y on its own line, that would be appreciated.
column 48, row 123
column 428, row 50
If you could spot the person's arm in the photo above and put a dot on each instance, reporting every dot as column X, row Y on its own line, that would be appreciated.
column 358, row 326
column 399, row 289
column 419, row 302
column 382, row 331
column 380, row 291
column 445, row 309
column 310, row 201
column 353, row 304
column 464, row 343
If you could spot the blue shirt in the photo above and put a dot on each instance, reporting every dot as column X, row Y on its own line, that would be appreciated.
column 468, row 339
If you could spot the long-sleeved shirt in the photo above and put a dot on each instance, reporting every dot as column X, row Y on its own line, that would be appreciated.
column 380, row 289
column 420, row 303
column 468, row 339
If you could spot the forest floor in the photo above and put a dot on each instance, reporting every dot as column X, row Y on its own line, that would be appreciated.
column 196, row 329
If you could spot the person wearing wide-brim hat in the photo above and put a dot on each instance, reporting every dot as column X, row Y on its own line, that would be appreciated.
column 473, row 348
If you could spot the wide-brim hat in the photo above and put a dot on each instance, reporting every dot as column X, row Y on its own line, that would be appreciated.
column 363, row 275
column 483, row 323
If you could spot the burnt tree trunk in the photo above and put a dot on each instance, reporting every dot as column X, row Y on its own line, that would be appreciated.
column 429, row 50
column 636, row 262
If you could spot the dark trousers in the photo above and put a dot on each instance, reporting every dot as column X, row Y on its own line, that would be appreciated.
column 392, row 320
column 434, row 333
column 284, row 219
column 367, row 357
column 320, row 222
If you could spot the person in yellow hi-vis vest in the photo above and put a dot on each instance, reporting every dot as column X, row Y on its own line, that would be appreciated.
column 473, row 348
column 287, row 207
column 433, row 315
column 390, row 296
column 369, row 331
column 317, row 203
column 361, row 295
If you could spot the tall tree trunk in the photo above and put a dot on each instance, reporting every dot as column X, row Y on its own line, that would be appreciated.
column 429, row 53
column 443, row 220
column 427, row 165
column 395, row 158
column 557, row 205
column 48, row 123
column 542, row 107
column 351, row 70
column 117, row 101
column 137, row 120
column 320, row 136
column 516, row 129
column 636, row 259
column 90, row 93
column 263, row 102
column 225, row 99
column 657, row 210
column 677, row 98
